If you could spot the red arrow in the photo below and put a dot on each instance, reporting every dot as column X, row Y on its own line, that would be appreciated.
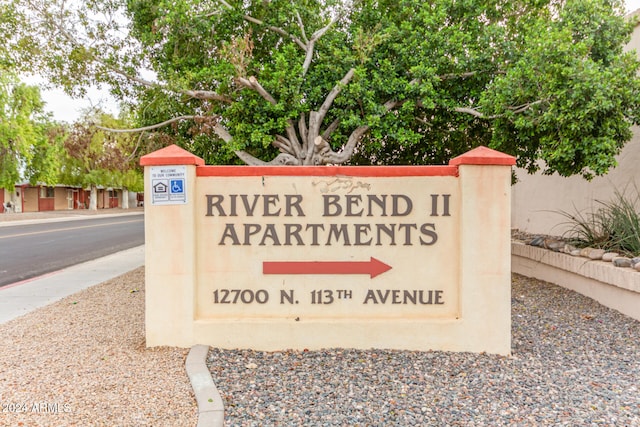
column 372, row 267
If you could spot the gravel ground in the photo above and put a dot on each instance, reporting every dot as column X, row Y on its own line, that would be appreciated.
column 574, row 363
column 82, row 361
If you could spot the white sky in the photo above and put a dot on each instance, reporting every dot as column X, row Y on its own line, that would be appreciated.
column 69, row 110
column 632, row 5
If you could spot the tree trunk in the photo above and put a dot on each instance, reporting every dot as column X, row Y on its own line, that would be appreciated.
column 93, row 198
column 125, row 198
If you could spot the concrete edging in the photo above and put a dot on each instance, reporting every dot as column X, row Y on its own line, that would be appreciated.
column 210, row 406
column 614, row 287
column 62, row 217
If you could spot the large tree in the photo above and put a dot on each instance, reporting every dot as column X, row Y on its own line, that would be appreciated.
column 30, row 142
column 96, row 158
column 359, row 81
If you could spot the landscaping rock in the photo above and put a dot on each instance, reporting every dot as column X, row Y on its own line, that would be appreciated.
column 585, row 252
column 575, row 252
column 554, row 244
column 635, row 261
column 596, row 254
column 537, row 241
column 609, row 256
column 622, row 262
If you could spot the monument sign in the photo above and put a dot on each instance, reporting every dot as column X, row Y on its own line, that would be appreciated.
column 274, row 258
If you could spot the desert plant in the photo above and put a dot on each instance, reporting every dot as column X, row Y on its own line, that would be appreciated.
column 614, row 226
column 624, row 222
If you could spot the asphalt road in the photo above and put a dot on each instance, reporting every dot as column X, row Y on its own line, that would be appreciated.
column 32, row 250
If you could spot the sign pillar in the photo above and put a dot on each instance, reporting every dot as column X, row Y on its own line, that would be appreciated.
column 169, row 180
column 485, row 247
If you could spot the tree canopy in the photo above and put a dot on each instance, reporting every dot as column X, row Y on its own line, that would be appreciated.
column 352, row 82
column 30, row 142
column 94, row 157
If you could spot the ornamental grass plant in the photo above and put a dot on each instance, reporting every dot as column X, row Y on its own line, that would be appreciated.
column 613, row 226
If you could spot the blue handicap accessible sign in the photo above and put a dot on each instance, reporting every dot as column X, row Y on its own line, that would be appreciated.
column 177, row 186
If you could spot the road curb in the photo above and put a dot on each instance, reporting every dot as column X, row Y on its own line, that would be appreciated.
column 70, row 217
column 210, row 406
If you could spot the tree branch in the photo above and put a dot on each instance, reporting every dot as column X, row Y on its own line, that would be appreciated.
column 278, row 30
column 316, row 118
column 280, row 146
column 222, row 132
column 302, row 129
column 197, row 94
column 225, row 4
column 314, row 125
column 301, row 25
column 330, row 129
column 457, row 76
column 472, row 111
column 323, row 149
column 281, row 159
column 135, row 149
column 119, row 71
column 306, row 45
column 253, row 83
column 293, row 139
column 204, row 94
column 324, row 29
column 308, row 57
column 524, row 107
column 347, row 151
column 390, row 105
column 283, row 144
column 516, row 110
column 284, row 159
column 248, row 158
column 310, row 45
column 152, row 127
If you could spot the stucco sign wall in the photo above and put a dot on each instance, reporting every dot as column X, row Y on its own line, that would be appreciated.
column 275, row 258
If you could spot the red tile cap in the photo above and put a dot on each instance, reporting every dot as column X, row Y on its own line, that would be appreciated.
column 483, row 156
column 171, row 155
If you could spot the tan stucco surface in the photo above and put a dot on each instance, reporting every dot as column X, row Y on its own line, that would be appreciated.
column 419, row 261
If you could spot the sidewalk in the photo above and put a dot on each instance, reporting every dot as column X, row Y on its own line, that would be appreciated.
column 23, row 297
column 12, row 219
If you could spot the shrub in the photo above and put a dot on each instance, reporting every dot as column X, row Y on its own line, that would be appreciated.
column 614, row 226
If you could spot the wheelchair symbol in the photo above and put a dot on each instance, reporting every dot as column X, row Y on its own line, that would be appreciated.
column 177, row 186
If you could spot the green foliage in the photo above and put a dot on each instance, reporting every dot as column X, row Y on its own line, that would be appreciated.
column 29, row 140
column 96, row 157
column 589, row 90
column 614, row 226
column 44, row 167
column 421, row 81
